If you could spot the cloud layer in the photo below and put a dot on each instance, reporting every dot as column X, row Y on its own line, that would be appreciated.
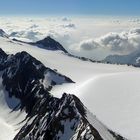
column 112, row 43
column 92, row 37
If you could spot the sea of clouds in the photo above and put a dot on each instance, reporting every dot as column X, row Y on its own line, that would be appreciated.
column 92, row 37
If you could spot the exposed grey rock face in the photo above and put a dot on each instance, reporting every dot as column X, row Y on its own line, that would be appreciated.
column 50, row 44
column 3, row 34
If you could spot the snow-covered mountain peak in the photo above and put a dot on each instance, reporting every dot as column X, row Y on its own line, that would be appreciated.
column 130, row 59
column 50, row 44
column 3, row 34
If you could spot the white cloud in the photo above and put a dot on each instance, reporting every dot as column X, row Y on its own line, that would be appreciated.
column 111, row 43
column 30, row 35
column 33, row 29
column 66, row 19
column 85, row 36
column 34, row 26
column 135, row 31
column 89, row 45
column 70, row 25
column 136, row 20
column 118, row 43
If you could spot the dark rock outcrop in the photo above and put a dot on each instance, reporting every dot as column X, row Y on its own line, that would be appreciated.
column 3, row 34
column 49, row 44
column 24, row 77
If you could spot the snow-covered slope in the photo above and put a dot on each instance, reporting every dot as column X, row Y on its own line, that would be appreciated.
column 48, row 117
column 114, row 98
column 102, row 88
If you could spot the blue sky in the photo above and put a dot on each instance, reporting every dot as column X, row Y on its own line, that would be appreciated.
column 70, row 7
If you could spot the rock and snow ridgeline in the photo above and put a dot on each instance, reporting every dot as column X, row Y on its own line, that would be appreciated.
column 48, row 117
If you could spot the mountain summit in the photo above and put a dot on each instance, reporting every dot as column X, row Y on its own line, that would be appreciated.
column 50, row 44
column 3, row 34
column 47, row 43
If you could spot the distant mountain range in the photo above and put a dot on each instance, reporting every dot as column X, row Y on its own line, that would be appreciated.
column 130, row 59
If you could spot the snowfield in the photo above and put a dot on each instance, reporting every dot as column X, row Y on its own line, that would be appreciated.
column 111, row 92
